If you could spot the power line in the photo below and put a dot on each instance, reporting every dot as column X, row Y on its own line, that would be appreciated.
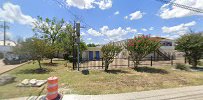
column 76, row 17
column 182, row 6
column 81, row 19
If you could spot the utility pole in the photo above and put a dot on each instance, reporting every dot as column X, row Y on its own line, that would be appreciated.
column 78, row 43
column 4, row 33
column 74, row 53
column 4, row 26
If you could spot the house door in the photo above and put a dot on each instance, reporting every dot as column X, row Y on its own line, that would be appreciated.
column 97, row 55
column 91, row 55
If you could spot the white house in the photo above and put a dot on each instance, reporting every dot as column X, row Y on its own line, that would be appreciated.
column 92, row 53
column 165, row 52
column 8, row 46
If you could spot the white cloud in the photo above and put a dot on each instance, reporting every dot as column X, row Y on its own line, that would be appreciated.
column 126, row 17
column 104, row 4
column 8, row 35
column 190, row 24
column 106, row 40
column 12, row 13
column 83, row 33
column 94, row 32
column 147, row 29
column 129, row 29
column 112, row 34
column 179, row 29
column 151, row 28
column 89, row 4
column 140, row 34
column 116, row 13
column 172, row 36
column 89, row 39
column 135, row 15
column 144, row 29
column 81, row 4
column 167, row 11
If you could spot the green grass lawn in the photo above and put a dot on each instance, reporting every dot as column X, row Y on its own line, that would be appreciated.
column 100, row 82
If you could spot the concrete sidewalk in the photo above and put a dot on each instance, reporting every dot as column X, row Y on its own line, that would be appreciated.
column 184, row 93
column 5, row 68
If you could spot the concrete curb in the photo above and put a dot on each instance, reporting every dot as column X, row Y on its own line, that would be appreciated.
column 183, row 93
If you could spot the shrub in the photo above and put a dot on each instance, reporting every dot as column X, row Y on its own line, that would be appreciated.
column 140, row 47
column 200, row 63
column 65, row 56
column 192, row 45
column 70, row 58
column 109, row 52
column 182, row 67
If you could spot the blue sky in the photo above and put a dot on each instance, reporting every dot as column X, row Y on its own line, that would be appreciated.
column 105, row 20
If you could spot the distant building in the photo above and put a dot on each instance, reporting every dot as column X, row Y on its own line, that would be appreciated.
column 92, row 53
column 8, row 47
column 8, row 43
column 165, row 52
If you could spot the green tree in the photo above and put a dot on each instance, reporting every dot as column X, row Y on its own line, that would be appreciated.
column 109, row 52
column 50, row 30
column 83, row 47
column 67, row 40
column 32, row 47
column 192, row 46
column 91, row 45
column 140, row 47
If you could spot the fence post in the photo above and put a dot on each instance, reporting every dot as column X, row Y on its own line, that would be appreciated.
column 102, row 63
column 172, row 60
column 151, row 60
column 128, row 61
column 115, row 62
column 87, row 60
column 185, row 60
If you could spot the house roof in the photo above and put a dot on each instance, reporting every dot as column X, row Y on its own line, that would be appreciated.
column 158, row 38
column 93, row 49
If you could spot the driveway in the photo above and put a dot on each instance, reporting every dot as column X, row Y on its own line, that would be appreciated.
column 4, row 68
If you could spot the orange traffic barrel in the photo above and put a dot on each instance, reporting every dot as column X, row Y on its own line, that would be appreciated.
column 52, row 88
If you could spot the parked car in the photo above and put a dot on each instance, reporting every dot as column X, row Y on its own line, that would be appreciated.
column 11, row 58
